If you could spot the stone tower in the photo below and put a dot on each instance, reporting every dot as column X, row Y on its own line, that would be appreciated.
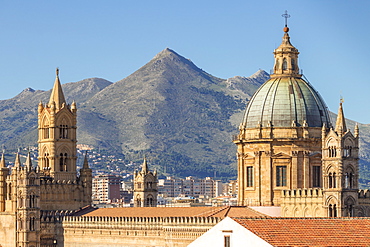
column 57, row 135
column 340, row 168
column 145, row 187
column 279, row 143
column 61, row 187
column 28, row 203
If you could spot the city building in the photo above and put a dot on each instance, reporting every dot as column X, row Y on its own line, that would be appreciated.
column 189, row 187
column 106, row 188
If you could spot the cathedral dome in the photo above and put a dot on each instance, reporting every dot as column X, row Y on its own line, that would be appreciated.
column 286, row 100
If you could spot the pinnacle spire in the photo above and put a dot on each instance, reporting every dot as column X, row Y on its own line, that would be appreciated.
column 57, row 95
column 17, row 162
column 86, row 163
column 2, row 162
column 144, row 167
column 28, row 161
column 357, row 130
column 340, row 125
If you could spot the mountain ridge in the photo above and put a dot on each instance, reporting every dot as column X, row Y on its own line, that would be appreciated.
column 182, row 117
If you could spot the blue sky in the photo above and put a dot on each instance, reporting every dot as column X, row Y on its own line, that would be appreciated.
column 112, row 39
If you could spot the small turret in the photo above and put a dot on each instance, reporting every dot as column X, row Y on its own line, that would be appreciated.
column 73, row 107
column 40, row 107
column 357, row 131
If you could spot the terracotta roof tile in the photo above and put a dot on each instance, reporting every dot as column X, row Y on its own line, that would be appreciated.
column 310, row 231
column 176, row 212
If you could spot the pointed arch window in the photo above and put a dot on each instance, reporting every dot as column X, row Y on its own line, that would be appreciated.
column 349, row 180
column 46, row 132
column 63, row 162
column 150, row 201
column 332, row 210
column 32, row 201
column 32, row 223
column 63, row 131
column 332, row 151
column 46, row 160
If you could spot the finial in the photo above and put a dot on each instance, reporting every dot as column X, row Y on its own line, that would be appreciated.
column 341, row 100
column 57, row 71
column 286, row 16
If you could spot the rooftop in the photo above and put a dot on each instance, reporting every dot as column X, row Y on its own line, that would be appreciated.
column 231, row 211
column 310, row 231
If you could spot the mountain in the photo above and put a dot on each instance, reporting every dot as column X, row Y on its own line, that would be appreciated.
column 179, row 116
column 175, row 112
column 18, row 125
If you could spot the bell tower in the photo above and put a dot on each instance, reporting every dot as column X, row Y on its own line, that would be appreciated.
column 145, row 187
column 57, row 135
column 340, row 168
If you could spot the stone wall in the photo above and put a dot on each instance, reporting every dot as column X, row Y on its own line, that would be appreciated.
column 134, row 231
column 302, row 203
column 7, row 230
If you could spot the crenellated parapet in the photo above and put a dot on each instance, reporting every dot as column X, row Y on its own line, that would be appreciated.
column 362, row 194
column 302, row 193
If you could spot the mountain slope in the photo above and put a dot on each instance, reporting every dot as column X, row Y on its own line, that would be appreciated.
column 18, row 125
column 176, row 112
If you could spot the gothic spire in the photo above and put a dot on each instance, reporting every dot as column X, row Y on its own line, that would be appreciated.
column 28, row 162
column 17, row 162
column 57, row 95
column 86, row 163
column 144, row 167
column 340, row 125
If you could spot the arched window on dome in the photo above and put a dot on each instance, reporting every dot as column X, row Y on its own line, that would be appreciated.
column 293, row 63
column 277, row 64
column 285, row 64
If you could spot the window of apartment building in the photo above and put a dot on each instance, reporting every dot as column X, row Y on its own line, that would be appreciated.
column 249, row 176
column 316, row 176
column 281, row 176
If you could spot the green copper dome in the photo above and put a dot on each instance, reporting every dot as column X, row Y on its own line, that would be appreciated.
column 286, row 102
